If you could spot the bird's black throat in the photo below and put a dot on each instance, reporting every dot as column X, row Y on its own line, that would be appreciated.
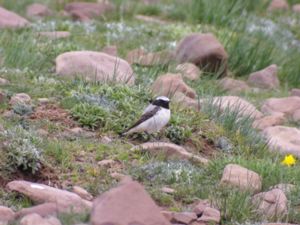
column 161, row 103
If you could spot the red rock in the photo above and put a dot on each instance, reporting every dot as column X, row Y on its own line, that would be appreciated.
column 296, row 8
column 203, row 50
column 4, row 81
column 35, row 219
column 276, row 5
column 150, row 19
column 170, row 151
column 41, row 193
column 85, row 11
column 233, row 86
column 287, row 105
column 269, row 121
column 38, row 10
column 126, row 204
column 295, row 92
column 10, row 19
column 210, row 216
column 107, row 163
column 94, row 66
column 285, row 140
column 201, row 206
column 6, row 214
column 169, row 84
column 82, row 193
column 296, row 116
column 20, row 98
column 183, row 217
column 271, row 204
column 266, row 78
column 55, row 34
column 189, row 71
column 45, row 209
column 234, row 104
column 242, row 178
column 186, row 102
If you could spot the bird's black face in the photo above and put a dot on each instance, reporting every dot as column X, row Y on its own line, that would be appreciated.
column 161, row 102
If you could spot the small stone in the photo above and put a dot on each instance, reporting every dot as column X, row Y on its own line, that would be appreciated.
column 210, row 215
column 35, row 219
column 20, row 98
column 169, row 84
column 6, row 214
column 53, row 35
column 9, row 19
column 296, row 8
column 271, row 204
column 183, row 217
column 109, row 163
column 296, row 116
column 287, row 105
column 82, row 193
column 106, row 140
column 170, row 151
column 269, row 121
column 38, row 10
column 265, row 79
column 168, row 190
column 224, row 144
column 233, row 86
column 278, row 5
column 186, row 102
column 286, row 188
column 46, row 209
column 295, row 92
column 242, row 178
column 118, row 176
column 201, row 206
column 43, row 101
column 4, row 81
column 189, row 71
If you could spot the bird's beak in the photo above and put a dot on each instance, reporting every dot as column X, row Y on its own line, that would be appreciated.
column 150, row 100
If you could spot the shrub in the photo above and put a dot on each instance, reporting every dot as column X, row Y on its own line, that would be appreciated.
column 22, row 151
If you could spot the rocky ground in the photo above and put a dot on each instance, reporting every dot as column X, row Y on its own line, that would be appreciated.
column 74, row 75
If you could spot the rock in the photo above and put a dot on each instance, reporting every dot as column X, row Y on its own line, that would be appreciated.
column 295, row 92
column 106, row 140
column 41, row 193
column 242, row 178
column 54, row 34
column 85, row 11
column 286, row 188
column 4, row 81
column 109, row 163
column 9, row 19
column 183, row 217
column 35, row 219
column 278, row 224
column 169, row 84
column 210, row 216
column 201, row 206
column 276, row 5
column 203, row 50
column 46, row 209
column 296, row 116
column 168, row 190
column 189, row 71
column 234, row 104
column 38, row 10
column 269, row 121
column 296, row 8
column 118, row 176
column 126, row 204
column 186, row 102
column 111, row 50
column 224, row 144
column 170, row 151
column 2, row 97
column 271, row 204
column 6, row 215
column 142, row 58
column 94, row 66
column 43, row 101
column 265, row 79
column 285, row 140
column 20, row 98
column 233, row 86
column 82, row 193
column 286, row 105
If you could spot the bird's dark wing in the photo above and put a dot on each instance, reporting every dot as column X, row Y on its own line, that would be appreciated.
column 144, row 117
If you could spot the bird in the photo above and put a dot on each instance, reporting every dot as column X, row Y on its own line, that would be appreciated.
column 156, row 115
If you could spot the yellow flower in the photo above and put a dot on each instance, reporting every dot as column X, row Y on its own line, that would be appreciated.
column 289, row 160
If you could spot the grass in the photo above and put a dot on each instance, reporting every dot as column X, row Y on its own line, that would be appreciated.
column 106, row 109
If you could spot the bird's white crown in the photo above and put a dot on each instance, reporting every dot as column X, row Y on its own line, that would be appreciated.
column 164, row 98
